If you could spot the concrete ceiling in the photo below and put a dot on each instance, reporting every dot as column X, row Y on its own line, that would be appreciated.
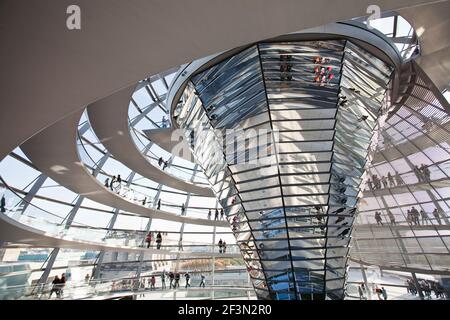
column 49, row 72
column 432, row 22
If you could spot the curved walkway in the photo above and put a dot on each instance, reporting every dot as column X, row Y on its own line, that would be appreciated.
column 109, row 120
column 14, row 231
column 407, row 188
column 163, row 138
column 54, row 152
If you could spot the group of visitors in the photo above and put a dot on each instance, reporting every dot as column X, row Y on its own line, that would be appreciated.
column 174, row 280
column 149, row 238
column 222, row 246
column 422, row 173
column 163, row 163
column 115, row 183
column 362, row 291
column 391, row 180
column 216, row 215
column 58, row 285
column 413, row 217
column 427, row 287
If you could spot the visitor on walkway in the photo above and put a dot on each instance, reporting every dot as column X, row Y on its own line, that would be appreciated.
column 3, row 204
column 436, row 215
column 87, row 277
column 188, row 277
column 361, row 293
column 55, row 286
column 160, row 161
column 424, row 216
column 384, row 293
column 119, row 179
column 224, row 247
column 107, row 182
column 152, row 283
column 171, row 278
column 202, row 282
column 158, row 240
column 378, row 292
column 62, row 285
column 209, row 214
column 159, row 205
column 415, row 216
column 177, row 280
column 216, row 216
column 165, row 165
column 180, row 244
column 163, row 279
column 378, row 218
column 220, row 244
column 398, row 179
column 148, row 239
column 221, row 214
column 391, row 179
column 384, row 181
column 164, row 122
column 112, row 182
column 144, row 201
column 183, row 209
column 391, row 217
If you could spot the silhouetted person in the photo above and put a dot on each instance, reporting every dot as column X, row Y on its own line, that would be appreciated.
column 188, row 277
column 159, row 205
column 160, row 161
column 163, row 279
column 55, row 286
column 209, row 214
column 220, row 244
column 107, row 182
column 202, row 282
column 398, row 179
column 391, row 217
column 148, row 239
column 119, row 179
column 391, row 179
column 158, row 240
column 436, row 215
column 183, row 208
column 164, row 122
column 171, row 278
column 177, row 280
column 425, row 217
column 112, row 181
column 221, row 214
column 378, row 218
column 152, row 283
column 216, row 216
